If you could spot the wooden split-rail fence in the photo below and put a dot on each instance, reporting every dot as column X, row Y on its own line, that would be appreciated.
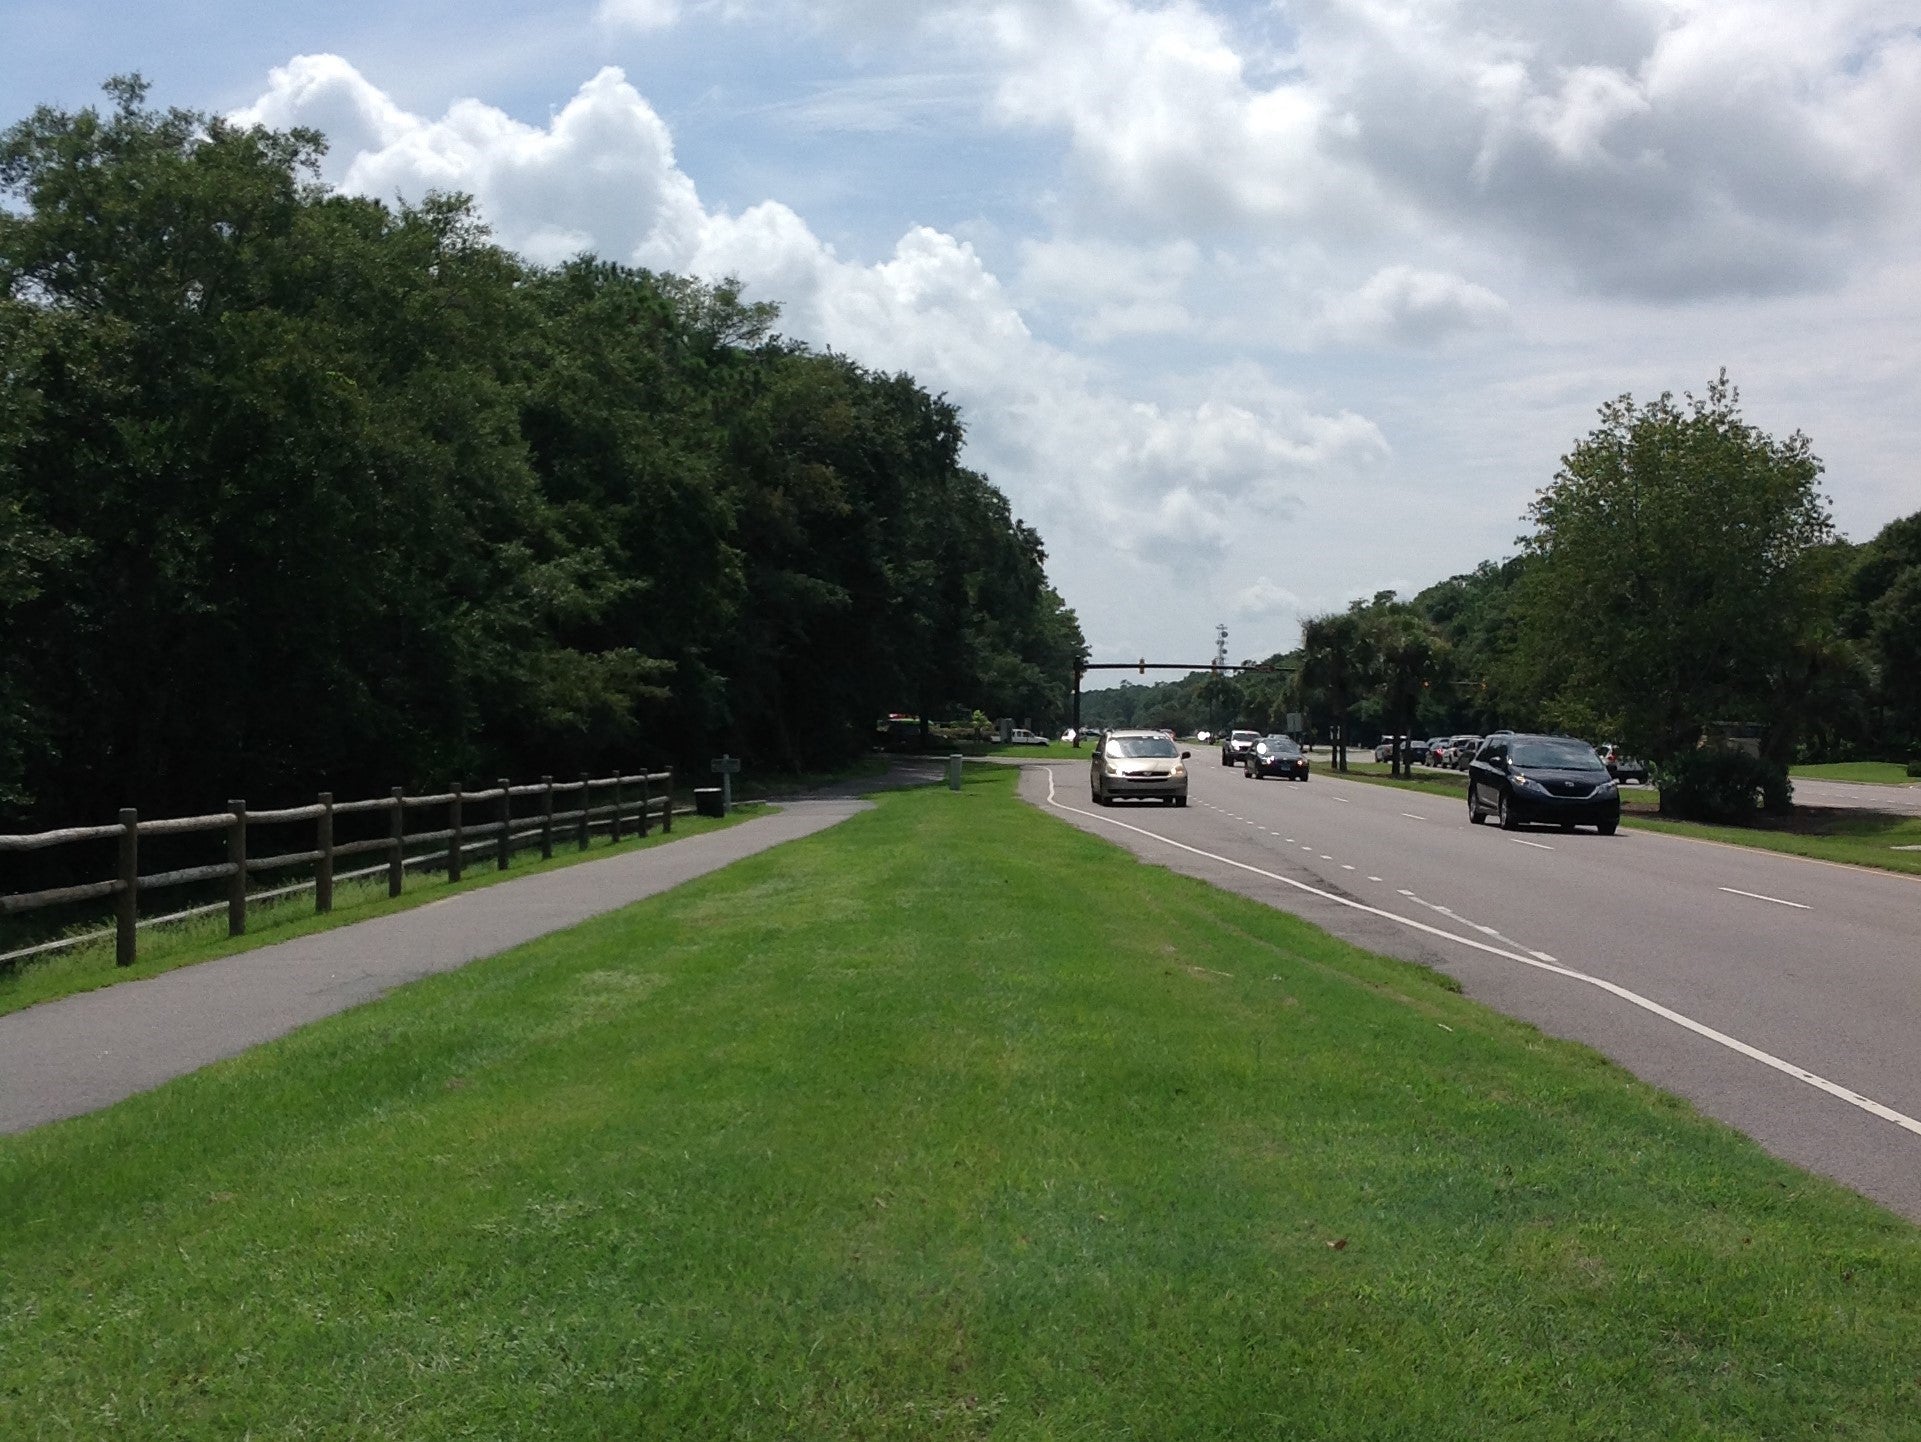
column 633, row 802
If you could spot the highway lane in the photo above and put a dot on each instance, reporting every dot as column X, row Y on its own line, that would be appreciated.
column 1817, row 967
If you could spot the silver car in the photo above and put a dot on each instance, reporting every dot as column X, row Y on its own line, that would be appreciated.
column 1139, row 763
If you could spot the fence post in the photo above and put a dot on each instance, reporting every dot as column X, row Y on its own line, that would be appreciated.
column 547, row 819
column 323, row 876
column 646, row 803
column 584, row 793
column 616, row 840
column 237, row 883
column 455, row 851
column 126, row 905
column 667, row 805
column 397, row 845
column 504, row 847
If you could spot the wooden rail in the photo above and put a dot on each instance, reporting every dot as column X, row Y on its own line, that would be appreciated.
column 633, row 802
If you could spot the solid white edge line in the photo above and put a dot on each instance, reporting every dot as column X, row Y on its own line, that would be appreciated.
column 1688, row 1023
column 1798, row 906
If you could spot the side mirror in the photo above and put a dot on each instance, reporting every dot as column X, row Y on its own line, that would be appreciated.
column 1186, row 754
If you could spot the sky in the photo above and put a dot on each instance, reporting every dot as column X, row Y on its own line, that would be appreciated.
column 1252, row 307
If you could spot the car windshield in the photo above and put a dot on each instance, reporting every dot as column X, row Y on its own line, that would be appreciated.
column 1137, row 748
column 1280, row 746
column 1563, row 755
column 1247, row 735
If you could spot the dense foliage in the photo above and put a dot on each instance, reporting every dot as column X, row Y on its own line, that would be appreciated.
column 298, row 488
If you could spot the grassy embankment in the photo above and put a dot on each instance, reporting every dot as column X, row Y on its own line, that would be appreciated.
column 949, row 1122
column 1855, row 838
column 1872, row 773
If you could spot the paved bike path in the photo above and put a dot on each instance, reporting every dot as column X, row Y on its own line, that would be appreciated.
column 75, row 1055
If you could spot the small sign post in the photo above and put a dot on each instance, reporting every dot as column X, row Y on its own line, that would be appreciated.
column 725, row 767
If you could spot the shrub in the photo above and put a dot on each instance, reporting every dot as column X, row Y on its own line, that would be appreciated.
column 1914, row 767
column 1723, row 785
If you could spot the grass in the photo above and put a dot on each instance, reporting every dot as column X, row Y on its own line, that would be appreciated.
column 1851, row 837
column 163, row 948
column 1874, row 773
column 950, row 1122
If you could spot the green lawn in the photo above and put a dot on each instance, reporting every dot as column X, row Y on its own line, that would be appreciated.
column 949, row 1122
column 1876, row 773
column 163, row 948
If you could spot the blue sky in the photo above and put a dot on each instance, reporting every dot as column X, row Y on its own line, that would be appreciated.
column 1252, row 307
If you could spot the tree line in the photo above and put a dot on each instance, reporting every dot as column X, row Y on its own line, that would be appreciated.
column 1682, row 582
column 300, row 488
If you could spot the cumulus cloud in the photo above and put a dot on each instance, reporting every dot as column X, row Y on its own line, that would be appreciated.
column 1164, row 478
column 1266, row 599
column 639, row 14
column 1399, row 305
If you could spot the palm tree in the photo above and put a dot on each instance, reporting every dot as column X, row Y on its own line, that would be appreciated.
column 1338, row 661
column 1412, row 655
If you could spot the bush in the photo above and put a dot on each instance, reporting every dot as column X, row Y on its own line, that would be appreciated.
column 1723, row 785
column 1914, row 767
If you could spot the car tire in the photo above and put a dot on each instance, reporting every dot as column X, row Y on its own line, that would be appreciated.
column 1608, row 828
column 1506, row 814
column 1567, row 826
column 1167, row 801
column 1180, row 801
column 1475, row 815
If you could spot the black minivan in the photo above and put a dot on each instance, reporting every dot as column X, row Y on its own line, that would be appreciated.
column 1518, row 778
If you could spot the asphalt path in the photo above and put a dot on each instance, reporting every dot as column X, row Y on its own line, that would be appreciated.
column 1779, row 995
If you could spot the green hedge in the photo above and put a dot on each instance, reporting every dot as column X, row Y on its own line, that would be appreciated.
column 1724, row 786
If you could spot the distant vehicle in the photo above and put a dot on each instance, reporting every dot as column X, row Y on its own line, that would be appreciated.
column 1520, row 778
column 1142, row 764
column 1203, row 735
column 1235, row 748
column 1025, row 738
column 1621, row 768
column 1276, row 756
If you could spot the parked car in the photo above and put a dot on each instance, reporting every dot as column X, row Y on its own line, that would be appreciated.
column 1275, row 756
column 1621, row 768
column 1141, row 764
column 1519, row 778
column 1203, row 735
column 1021, row 737
column 1234, row 748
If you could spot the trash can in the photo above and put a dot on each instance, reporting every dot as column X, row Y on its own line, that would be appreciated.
column 708, row 802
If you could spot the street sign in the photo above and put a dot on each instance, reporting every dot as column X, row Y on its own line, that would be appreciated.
column 1293, row 722
column 725, row 765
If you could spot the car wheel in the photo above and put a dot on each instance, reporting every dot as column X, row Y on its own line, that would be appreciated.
column 1608, row 828
column 1506, row 815
column 1180, row 801
column 1167, row 801
column 1474, row 812
column 1567, row 826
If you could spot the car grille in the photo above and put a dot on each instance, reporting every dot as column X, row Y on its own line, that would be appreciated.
column 1146, row 775
column 1569, row 788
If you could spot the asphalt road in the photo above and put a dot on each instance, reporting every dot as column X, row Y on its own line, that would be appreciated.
column 1779, row 995
column 1903, row 800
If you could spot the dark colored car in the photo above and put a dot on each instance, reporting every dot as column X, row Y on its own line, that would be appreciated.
column 1520, row 778
column 1235, row 748
column 1276, row 756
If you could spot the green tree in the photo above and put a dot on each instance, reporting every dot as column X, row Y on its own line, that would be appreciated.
column 1671, row 573
column 1338, row 663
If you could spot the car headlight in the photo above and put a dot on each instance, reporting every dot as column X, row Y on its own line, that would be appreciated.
column 1179, row 770
column 1527, row 783
column 1606, row 788
column 1112, row 769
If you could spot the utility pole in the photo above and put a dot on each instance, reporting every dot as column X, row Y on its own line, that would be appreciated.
column 1220, row 664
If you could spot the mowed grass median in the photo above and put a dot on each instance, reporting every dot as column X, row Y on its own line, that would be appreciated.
column 949, row 1122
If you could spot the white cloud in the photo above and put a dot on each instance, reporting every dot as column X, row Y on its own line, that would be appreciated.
column 1399, row 305
column 1265, row 599
column 639, row 14
column 1161, row 478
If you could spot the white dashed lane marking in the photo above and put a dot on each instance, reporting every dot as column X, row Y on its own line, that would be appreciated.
column 1537, row 845
column 1798, row 906
column 1412, row 817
